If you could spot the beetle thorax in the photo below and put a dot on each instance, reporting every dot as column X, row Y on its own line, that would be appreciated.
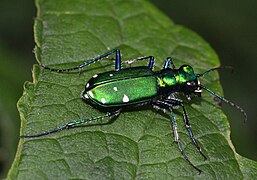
column 182, row 79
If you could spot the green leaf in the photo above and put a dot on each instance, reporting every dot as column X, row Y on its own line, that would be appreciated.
column 139, row 143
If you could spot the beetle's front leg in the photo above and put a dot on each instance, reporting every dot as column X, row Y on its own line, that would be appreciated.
column 178, row 102
column 168, row 106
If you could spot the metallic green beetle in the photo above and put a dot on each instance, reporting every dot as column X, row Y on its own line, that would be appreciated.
column 138, row 86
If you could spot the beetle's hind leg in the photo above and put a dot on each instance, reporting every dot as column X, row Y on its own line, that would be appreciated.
column 76, row 123
column 79, row 67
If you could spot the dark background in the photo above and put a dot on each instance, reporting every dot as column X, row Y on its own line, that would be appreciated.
column 229, row 26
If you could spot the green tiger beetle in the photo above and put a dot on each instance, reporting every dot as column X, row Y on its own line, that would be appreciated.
column 139, row 86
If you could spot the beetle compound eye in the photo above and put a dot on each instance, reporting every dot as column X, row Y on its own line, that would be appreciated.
column 187, row 69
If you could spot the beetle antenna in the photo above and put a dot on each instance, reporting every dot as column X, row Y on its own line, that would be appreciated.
column 226, row 101
column 216, row 68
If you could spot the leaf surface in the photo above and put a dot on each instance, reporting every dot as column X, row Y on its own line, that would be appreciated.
column 139, row 143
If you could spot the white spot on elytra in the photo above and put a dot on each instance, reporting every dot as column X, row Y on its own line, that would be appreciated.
column 125, row 98
column 87, row 85
column 103, row 100
column 115, row 89
column 90, row 93
column 86, row 96
column 95, row 75
column 110, row 75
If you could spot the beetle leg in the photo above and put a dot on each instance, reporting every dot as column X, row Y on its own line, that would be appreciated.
column 169, row 62
column 176, row 136
column 118, row 61
column 75, row 123
column 188, row 126
column 168, row 106
column 150, row 64
column 79, row 67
